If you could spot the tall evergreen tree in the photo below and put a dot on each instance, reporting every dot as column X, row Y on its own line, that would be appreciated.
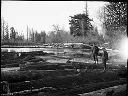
column 80, row 25
column 6, row 37
column 116, row 15
column 13, row 34
column 43, row 36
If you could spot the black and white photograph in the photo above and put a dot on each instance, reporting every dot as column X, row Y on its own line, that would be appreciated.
column 64, row 48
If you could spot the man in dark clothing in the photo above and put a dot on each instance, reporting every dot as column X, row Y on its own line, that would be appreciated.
column 104, row 57
column 95, row 51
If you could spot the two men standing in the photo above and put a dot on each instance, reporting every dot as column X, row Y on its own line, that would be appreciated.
column 104, row 56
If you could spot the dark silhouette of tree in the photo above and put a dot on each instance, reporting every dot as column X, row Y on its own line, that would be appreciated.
column 37, row 37
column 30, row 35
column 6, row 37
column 116, row 15
column 114, row 19
column 20, row 38
column 80, row 25
column 57, row 31
column 33, row 35
column 12, row 34
column 43, row 36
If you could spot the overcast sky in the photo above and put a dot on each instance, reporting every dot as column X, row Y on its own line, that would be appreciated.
column 41, row 15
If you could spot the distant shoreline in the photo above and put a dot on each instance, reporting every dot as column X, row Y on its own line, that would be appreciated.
column 22, row 47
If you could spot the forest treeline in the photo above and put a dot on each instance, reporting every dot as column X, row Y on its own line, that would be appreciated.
column 113, row 18
column 10, row 36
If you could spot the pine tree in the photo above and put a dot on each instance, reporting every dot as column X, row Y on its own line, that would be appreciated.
column 80, row 25
column 116, row 15
column 13, row 34
column 43, row 37
column 7, row 33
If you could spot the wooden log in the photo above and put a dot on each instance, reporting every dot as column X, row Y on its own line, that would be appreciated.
column 110, row 91
column 62, row 81
column 70, row 92
column 90, row 87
